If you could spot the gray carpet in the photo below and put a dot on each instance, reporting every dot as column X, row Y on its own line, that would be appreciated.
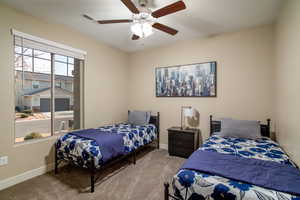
column 123, row 181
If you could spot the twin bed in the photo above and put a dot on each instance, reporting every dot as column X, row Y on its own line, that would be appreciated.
column 220, row 169
column 114, row 143
column 207, row 182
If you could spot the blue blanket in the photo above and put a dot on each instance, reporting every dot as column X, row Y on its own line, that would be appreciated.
column 267, row 174
column 111, row 144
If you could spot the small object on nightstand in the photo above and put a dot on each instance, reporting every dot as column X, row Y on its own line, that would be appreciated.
column 182, row 142
column 186, row 111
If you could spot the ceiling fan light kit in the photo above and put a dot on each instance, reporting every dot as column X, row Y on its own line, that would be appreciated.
column 142, row 24
column 142, row 30
column 144, row 20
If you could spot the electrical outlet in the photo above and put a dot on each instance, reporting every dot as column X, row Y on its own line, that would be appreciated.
column 3, row 160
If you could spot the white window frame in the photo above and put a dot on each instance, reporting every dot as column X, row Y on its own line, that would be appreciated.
column 79, row 54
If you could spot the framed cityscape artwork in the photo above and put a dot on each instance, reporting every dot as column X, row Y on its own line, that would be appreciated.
column 193, row 80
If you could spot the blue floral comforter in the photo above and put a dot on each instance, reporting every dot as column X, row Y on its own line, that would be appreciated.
column 81, row 150
column 191, row 185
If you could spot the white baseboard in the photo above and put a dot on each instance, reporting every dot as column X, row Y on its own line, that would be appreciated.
column 163, row 146
column 25, row 176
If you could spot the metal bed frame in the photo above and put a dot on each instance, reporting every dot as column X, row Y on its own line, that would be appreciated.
column 154, row 119
column 215, row 126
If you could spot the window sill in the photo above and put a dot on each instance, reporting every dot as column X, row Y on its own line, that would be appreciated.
column 33, row 141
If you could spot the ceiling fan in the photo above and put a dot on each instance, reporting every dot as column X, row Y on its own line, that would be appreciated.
column 143, row 19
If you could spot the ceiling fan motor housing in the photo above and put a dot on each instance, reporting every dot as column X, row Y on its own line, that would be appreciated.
column 143, row 3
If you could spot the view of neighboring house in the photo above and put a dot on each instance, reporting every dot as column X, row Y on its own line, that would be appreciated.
column 33, row 92
column 33, row 95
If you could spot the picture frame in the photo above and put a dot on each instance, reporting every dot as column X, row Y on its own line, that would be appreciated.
column 191, row 80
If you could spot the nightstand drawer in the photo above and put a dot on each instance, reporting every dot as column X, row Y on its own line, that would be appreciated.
column 181, row 143
column 178, row 136
column 179, row 151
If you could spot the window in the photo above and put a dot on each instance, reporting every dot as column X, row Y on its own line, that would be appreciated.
column 47, row 91
column 64, row 65
column 23, row 59
column 35, row 84
column 32, row 60
column 58, row 84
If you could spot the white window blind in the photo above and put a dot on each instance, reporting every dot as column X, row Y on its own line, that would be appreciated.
column 30, row 41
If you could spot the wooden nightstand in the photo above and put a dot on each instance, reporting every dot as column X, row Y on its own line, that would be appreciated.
column 183, row 142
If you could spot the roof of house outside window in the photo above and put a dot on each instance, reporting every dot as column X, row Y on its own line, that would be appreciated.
column 44, row 77
column 32, row 92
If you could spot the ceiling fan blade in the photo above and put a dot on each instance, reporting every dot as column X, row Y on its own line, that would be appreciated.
column 165, row 28
column 131, row 6
column 114, row 21
column 172, row 8
column 135, row 37
column 88, row 17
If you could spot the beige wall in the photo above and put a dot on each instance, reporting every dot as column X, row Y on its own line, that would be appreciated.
column 244, row 75
column 288, row 78
column 105, row 87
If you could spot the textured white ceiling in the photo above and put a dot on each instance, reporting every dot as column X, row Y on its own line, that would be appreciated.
column 201, row 18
